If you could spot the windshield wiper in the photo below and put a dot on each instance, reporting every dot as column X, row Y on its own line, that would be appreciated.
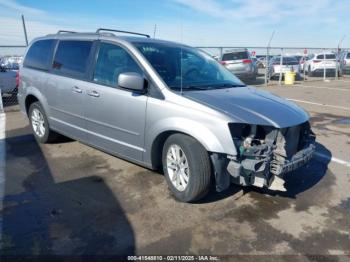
column 228, row 85
column 206, row 87
column 189, row 88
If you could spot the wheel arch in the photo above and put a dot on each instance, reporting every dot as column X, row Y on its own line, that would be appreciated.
column 197, row 131
column 34, row 95
column 30, row 99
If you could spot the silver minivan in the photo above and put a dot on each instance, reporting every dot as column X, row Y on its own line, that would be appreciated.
column 240, row 63
column 162, row 105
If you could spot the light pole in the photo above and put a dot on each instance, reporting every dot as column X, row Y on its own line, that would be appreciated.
column 337, row 60
column 25, row 30
column 267, row 57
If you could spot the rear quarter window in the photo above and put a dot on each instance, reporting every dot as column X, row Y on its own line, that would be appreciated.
column 39, row 55
column 328, row 56
column 72, row 57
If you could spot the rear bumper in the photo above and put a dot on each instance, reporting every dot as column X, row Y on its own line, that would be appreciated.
column 320, row 70
column 245, row 75
column 345, row 68
column 21, row 103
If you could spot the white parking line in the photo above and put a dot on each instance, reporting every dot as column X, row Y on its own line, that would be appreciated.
column 319, row 104
column 2, row 162
column 343, row 80
column 333, row 159
column 324, row 87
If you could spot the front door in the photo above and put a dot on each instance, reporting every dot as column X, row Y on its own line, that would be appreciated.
column 115, row 117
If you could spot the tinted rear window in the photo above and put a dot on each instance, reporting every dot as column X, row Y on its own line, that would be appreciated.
column 328, row 56
column 72, row 57
column 39, row 55
column 348, row 55
column 235, row 56
column 285, row 61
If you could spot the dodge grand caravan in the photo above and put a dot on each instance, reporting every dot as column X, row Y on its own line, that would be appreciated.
column 162, row 105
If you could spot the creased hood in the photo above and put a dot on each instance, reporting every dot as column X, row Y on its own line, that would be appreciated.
column 249, row 105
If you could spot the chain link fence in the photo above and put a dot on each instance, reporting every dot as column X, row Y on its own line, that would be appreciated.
column 309, row 64
column 314, row 64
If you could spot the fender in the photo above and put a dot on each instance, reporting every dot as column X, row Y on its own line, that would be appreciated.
column 35, row 92
column 200, row 132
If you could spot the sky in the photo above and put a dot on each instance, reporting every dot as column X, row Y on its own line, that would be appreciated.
column 297, row 23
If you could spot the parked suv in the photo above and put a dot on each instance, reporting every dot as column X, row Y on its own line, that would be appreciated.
column 240, row 63
column 344, row 62
column 317, row 63
column 162, row 105
column 289, row 64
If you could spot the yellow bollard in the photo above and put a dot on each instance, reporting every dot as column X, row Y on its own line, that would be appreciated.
column 289, row 78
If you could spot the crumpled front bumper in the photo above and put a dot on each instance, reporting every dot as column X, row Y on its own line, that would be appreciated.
column 264, row 171
column 298, row 160
column 262, row 165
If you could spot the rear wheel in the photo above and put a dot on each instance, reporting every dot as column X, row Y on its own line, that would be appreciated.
column 40, row 124
column 340, row 73
column 309, row 72
column 186, row 166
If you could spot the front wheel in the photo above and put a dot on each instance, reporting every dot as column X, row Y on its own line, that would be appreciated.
column 186, row 166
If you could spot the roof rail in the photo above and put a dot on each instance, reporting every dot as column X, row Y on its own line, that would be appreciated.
column 65, row 31
column 120, row 31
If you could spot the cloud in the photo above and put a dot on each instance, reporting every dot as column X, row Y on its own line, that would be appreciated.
column 14, row 6
column 272, row 10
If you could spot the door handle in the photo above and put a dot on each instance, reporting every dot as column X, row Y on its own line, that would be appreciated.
column 94, row 93
column 77, row 90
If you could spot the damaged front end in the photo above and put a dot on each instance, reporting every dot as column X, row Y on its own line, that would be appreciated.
column 265, row 154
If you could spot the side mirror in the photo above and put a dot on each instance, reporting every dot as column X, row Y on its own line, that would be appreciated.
column 132, row 81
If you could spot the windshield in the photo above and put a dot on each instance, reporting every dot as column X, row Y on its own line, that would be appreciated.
column 187, row 67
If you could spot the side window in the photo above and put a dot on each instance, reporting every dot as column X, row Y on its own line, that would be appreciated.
column 39, row 55
column 72, row 57
column 111, row 62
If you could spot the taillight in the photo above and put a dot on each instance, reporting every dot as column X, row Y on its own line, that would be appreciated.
column 223, row 62
column 317, row 61
column 17, row 79
column 247, row 61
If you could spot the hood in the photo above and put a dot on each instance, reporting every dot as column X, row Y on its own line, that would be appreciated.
column 252, row 106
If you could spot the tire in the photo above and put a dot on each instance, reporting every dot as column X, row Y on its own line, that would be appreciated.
column 309, row 72
column 46, row 135
column 340, row 73
column 198, row 171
